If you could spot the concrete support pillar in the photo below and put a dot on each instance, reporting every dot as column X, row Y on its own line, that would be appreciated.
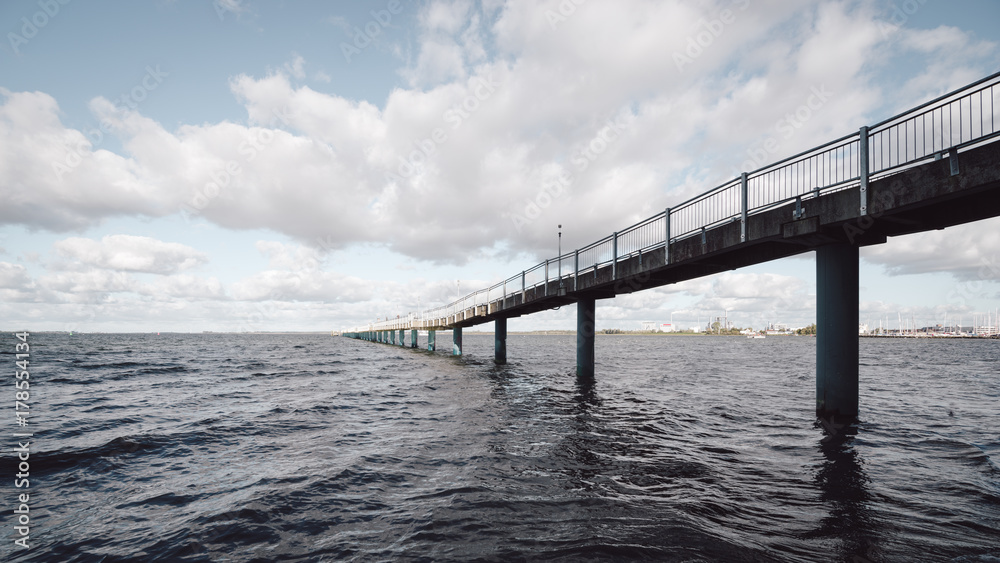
column 500, row 341
column 456, row 337
column 837, row 331
column 413, row 339
column 430, row 340
column 392, row 337
column 585, row 318
column 402, row 337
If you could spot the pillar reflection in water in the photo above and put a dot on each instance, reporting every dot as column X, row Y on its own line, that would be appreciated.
column 844, row 487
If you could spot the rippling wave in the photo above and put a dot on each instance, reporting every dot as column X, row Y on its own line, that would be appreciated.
column 314, row 448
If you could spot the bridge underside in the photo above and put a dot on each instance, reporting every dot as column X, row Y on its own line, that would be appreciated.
column 934, row 195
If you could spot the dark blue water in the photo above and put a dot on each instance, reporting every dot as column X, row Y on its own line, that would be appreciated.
column 318, row 448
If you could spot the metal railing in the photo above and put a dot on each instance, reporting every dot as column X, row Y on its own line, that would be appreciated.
column 960, row 119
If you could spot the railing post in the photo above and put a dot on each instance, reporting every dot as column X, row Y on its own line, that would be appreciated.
column 666, row 240
column 576, row 267
column 546, row 278
column 504, row 305
column 863, row 166
column 743, row 213
column 522, row 287
column 614, row 256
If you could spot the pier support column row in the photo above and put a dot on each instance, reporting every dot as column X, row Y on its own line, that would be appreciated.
column 500, row 341
column 402, row 340
column 585, row 323
column 456, row 337
column 837, row 331
column 431, row 346
column 413, row 339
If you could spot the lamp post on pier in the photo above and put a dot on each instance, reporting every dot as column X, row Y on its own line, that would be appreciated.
column 562, row 288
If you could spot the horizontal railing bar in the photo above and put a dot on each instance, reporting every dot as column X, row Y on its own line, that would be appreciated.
column 934, row 101
column 777, row 165
column 705, row 195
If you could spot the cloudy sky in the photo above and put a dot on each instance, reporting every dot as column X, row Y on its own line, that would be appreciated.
column 248, row 165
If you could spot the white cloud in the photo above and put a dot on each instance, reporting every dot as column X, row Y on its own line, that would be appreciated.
column 235, row 6
column 969, row 252
column 14, row 276
column 79, row 182
column 500, row 103
column 183, row 287
column 296, row 67
column 317, row 166
column 447, row 17
column 315, row 285
column 440, row 61
column 131, row 254
column 756, row 299
column 89, row 283
column 289, row 257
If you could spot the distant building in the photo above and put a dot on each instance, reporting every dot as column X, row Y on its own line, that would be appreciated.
column 777, row 328
column 648, row 326
column 986, row 331
column 666, row 327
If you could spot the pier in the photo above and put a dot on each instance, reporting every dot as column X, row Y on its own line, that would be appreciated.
column 931, row 167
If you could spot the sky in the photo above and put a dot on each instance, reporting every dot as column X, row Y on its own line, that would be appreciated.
column 242, row 165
